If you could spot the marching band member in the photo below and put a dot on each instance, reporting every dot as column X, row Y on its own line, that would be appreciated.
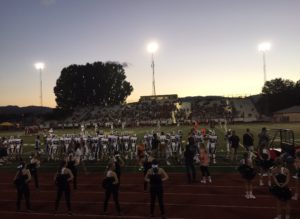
column 119, row 162
column 280, row 189
column 110, row 184
column 73, row 164
column 264, row 163
column 147, row 164
column 248, row 173
column 33, row 166
column 156, row 176
column 21, row 181
column 62, row 179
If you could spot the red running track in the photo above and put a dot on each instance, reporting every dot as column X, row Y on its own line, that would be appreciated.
column 223, row 199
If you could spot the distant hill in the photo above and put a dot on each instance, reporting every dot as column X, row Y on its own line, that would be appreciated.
column 15, row 110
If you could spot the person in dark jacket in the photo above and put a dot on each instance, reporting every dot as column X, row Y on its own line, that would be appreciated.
column 234, row 143
column 21, row 181
column 156, row 176
column 248, row 140
column 189, row 155
column 37, row 145
column 263, row 138
column 154, row 145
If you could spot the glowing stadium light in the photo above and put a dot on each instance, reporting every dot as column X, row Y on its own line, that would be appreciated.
column 40, row 66
column 152, row 47
column 264, row 47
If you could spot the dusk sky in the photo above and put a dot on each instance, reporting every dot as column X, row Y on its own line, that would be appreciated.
column 206, row 47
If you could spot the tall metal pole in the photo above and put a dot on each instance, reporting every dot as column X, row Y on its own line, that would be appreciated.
column 264, row 66
column 153, row 76
column 41, row 87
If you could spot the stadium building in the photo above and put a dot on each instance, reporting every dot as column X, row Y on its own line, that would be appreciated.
column 291, row 114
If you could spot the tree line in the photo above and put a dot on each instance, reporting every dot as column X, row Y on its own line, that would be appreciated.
column 278, row 94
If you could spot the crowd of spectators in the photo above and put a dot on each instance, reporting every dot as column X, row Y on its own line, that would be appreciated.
column 161, row 112
column 140, row 113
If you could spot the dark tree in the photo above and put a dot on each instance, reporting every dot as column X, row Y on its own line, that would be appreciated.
column 279, row 94
column 100, row 84
column 278, row 86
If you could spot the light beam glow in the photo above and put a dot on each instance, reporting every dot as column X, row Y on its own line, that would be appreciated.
column 152, row 47
column 39, row 65
column 265, row 46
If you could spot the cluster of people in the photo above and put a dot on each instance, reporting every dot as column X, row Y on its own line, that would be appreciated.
column 200, row 149
column 67, row 174
column 135, row 114
column 206, row 109
column 202, row 156
column 97, row 147
column 278, row 181
column 100, row 147
column 276, row 167
column 10, row 149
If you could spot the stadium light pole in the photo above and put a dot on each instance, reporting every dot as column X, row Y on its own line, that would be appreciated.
column 40, row 66
column 264, row 48
column 152, row 48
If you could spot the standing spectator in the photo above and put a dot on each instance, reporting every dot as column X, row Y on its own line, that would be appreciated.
column 162, row 145
column 234, row 143
column 204, row 163
column 110, row 184
column 21, row 182
column 189, row 155
column 37, row 146
column 62, row 179
column 33, row 167
column 46, row 144
column 154, row 145
column 248, row 140
column 155, row 176
column 263, row 138
column 228, row 146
